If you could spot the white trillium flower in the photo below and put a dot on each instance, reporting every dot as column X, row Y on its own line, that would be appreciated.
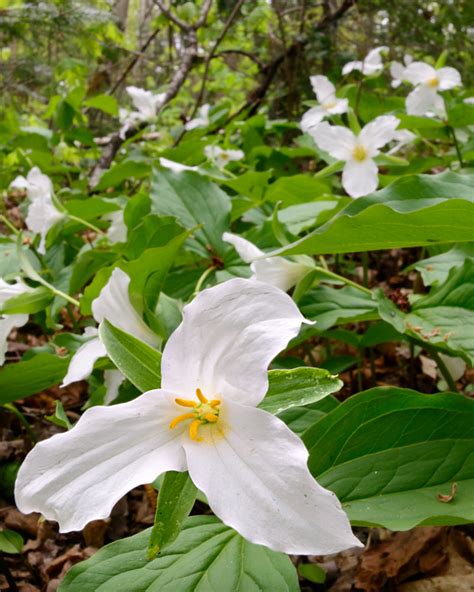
column 424, row 99
column 402, row 138
column 113, row 304
column 146, row 103
column 222, row 156
column 203, row 419
column 42, row 213
column 176, row 167
column 397, row 70
column 371, row 65
column 112, row 381
column 201, row 121
column 10, row 321
column 329, row 104
column 117, row 232
column 469, row 101
column 360, row 173
column 276, row 271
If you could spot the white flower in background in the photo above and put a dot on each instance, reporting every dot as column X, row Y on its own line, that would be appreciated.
column 202, row 120
column 204, row 420
column 176, row 167
column 469, row 101
column 42, row 213
column 276, row 271
column 222, row 156
column 424, row 99
column 329, row 104
column 456, row 368
column 360, row 173
column 370, row 66
column 401, row 138
column 117, row 232
column 10, row 321
column 397, row 70
column 112, row 382
column 113, row 303
column 146, row 104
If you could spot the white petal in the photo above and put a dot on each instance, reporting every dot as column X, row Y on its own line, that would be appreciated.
column 419, row 73
column 469, row 101
column 448, row 78
column 7, row 323
column 350, row 66
column 117, row 232
column 338, row 141
column 312, row 117
column 422, row 100
column 279, row 272
column 19, row 183
column 113, row 304
column 78, row 476
column 377, row 133
column 407, row 59
column 247, row 251
column 360, row 178
column 340, row 106
column 256, row 480
column 112, row 381
column 373, row 60
column 143, row 100
column 323, row 88
column 229, row 335
column 42, row 216
column 397, row 71
column 82, row 362
column 176, row 167
column 8, row 291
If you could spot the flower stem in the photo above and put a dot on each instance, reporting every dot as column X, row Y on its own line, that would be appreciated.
column 8, row 224
column 456, row 145
column 442, row 368
column 85, row 223
column 203, row 278
column 335, row 276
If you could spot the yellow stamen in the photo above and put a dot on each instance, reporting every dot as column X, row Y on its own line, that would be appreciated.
column 359, row 153
column 200, row 396
column 211, row 417
column 181, row 418
column 433, row 83
column 193, row 429
column 186, row 402
column 215, row 403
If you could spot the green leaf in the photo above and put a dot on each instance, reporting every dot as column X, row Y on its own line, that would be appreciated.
column 312, row 572
column 443, row 318
column 86, row 265
column 122, row 172
column 22, row 379
column 435, row 270
column 331, row 306
column 298, row 387
column 59, row 418
column 105, row 103
column 297, row 189
column 175, row 502
column 206, row 557
column 139, row 362
column 90, row 208
column 388, row 453
column 413, row 211
column 10, row 541
column 195, row 202
column 28, row 303
column 9, row 263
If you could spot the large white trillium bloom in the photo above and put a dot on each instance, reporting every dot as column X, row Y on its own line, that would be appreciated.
column 360, row 173
column 397, row 70
column 371, row 65
column 424, row 99
column 276, row 271
column 10, row 321
column 204, row 419
column 222, row 156
column 202, row 120
column 42, row 213
column 146, row 104
column 329, row 104
column 113, row 304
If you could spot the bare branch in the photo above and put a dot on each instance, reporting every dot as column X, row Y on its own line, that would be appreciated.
column 247, row 54
column 172, row 17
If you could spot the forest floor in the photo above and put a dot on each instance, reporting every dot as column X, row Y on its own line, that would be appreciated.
column 424, row 559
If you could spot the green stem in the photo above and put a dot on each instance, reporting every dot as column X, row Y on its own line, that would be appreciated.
column 456, row 145
column 203, row 278
column 8, row 224
column 10, row 407
column 338, row 277
column 85, row 223
column 365, row 267
column 442, row 368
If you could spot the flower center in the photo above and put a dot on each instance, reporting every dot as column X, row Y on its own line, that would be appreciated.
column 203, row 412
column 359, row 153
column 329, row 105
column 433, row 83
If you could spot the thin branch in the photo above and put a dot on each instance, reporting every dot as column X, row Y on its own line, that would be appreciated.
column 172, row 17
column 247, row 54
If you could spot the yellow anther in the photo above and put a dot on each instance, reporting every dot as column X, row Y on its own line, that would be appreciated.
column 193, row 430
column 329, row 104
column 359, row 153
column 210, row 417
column 433, row 83
column 181, row 418
column 185, row 402
column 215, row 403
column 200, row 396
